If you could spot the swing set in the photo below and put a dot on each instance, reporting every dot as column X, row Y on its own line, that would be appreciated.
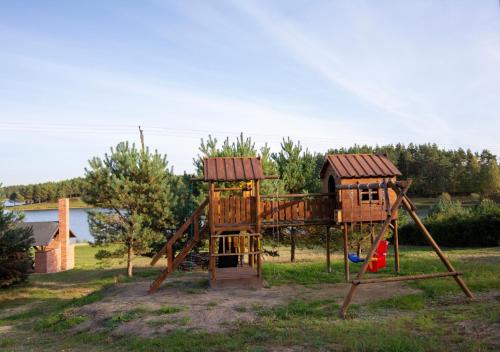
column 359, row 191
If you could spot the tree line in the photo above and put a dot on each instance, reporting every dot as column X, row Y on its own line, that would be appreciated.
column 434, row 170
column 45, row 192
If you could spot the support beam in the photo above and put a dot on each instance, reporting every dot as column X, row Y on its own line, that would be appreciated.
column 346, row 250
column 405, row 278
column 328, row 265
column 396, row 246
column 211, row 224
column 257, row 207
column 259, row 259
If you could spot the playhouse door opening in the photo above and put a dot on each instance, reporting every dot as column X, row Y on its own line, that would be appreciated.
column 226, row 246
column 332, row 189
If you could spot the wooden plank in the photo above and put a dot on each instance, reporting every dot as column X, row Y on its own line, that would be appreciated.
column 298, row 195
column 257, row 206
column 307, row 206
column 232, row 209
column 276, row 211
column 227, row 218
column 406, row 278
column 301, row 212
column 238, row 209
column 295, row 210
column 222, row 220
column 220, row 168
column 288, row 211
column 282, row 210
column 248, row 213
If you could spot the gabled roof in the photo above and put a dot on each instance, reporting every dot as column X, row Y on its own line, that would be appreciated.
column 360, row 165
column 232, row 169
column 44, row 231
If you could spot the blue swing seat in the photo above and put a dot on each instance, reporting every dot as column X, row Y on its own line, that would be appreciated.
column 354, row 258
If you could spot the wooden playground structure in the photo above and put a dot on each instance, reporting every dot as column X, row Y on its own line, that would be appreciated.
column 357, row 190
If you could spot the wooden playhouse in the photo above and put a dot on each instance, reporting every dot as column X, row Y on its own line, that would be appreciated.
column 358, row 190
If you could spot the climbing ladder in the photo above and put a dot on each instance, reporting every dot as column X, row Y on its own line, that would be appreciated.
column 168, row 250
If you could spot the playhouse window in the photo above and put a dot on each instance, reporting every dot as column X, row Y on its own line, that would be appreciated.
column 365, row 195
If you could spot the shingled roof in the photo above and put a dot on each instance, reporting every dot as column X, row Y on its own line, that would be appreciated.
column 232, row 169
column 44, row 231
column 360, row 165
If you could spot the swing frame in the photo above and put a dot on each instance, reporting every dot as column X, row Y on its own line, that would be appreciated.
column 401, row 189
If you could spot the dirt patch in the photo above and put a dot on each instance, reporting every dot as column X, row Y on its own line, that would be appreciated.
column 5, row 329
column 481, row 331
column 188, row 303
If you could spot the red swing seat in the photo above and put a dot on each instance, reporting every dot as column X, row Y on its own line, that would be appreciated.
column 378, row 260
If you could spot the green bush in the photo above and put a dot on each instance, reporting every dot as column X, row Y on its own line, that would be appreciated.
column 453, row 225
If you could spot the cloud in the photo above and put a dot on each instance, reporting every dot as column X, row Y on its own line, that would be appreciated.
column 340, row 71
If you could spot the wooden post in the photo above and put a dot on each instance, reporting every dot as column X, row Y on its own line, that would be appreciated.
column 346, row 249
column 242, row 248
column 212, row 258
column 259, row 263
column 211, row 199
column 250, row 249
column 328, row 266
column 396, row 246
column 257, row 207
column 211, row 223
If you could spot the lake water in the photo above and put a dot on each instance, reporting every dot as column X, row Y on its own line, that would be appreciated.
column 77, row 218
column 80, row 226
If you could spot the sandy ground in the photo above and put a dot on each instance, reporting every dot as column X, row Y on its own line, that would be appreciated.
column 212, row 310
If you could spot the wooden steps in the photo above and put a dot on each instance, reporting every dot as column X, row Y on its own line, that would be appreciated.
column 173, row 261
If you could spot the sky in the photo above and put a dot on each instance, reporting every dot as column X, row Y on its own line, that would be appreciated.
column 78, row 77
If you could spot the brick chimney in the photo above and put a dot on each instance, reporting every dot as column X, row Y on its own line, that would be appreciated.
column 67, row 250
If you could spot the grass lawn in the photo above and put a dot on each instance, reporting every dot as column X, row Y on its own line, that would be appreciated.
column 43, row 314
column 75, row 203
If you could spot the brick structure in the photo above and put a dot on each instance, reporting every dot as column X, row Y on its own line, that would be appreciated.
column 47, row 261
column 67, row 250
column 53, row 250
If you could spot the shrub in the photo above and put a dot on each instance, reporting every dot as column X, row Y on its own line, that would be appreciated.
column 455, row 226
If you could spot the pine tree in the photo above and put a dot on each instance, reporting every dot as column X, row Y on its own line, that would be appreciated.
column 15, row 244
column 298, row 170
column 133, row 190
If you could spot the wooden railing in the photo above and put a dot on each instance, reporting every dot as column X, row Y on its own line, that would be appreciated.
column 283, row 210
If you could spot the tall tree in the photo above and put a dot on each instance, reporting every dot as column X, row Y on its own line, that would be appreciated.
column 15, row 244
column 134, row 189
column 489, row 177
column 298, row 170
